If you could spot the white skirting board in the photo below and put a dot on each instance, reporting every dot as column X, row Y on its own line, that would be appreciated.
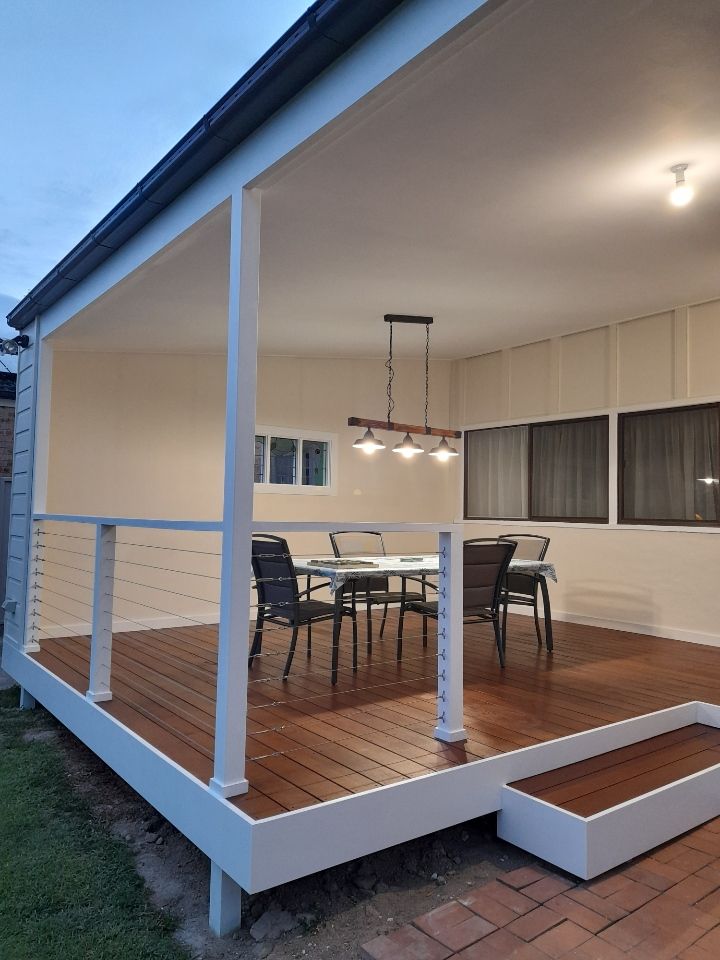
column 645, row 629
column 589, row 846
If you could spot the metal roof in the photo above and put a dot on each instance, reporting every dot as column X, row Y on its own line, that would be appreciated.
column 322, row 35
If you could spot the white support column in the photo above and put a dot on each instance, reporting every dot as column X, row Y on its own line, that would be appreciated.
column 225, row 902
column 27, row 700
column 450, row 637
column 231, row 711
column 101, row 641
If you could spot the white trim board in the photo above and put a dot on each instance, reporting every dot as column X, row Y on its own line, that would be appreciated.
column 261, row 854
column 646, row 629
column 590, row 846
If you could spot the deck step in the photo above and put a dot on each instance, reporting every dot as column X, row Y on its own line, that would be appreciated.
column 591, row 816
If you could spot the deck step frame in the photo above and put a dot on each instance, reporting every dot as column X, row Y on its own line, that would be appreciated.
column 590, row 846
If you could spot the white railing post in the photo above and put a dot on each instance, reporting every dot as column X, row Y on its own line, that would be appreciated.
column 228, row 778
column 102, row 614
column 31, row 642
column 450, row 637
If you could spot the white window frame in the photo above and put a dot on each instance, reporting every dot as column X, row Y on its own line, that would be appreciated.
column 612, row 413
column 301, row 489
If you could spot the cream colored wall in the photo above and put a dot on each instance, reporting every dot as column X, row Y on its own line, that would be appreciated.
column 657, row 581
column 143, row 436
column 134, row 435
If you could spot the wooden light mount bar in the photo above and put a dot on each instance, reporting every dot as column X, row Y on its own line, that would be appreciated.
column 403, row 427
column 406, row 318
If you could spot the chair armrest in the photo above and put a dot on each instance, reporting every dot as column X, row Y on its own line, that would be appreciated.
column 309, row 590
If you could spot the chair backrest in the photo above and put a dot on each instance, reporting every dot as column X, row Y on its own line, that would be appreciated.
column 362, row 543
column 275, row 576
column 528, row 546
column 485, row 563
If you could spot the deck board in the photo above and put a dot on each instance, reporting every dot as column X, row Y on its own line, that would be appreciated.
column 308, row 743
column 594, row 785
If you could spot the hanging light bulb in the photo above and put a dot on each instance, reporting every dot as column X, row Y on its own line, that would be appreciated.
column 443, row 451
column 682, row 193
column 369, row 443
column 407, row 447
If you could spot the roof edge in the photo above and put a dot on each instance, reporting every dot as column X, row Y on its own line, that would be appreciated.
column 322, row 35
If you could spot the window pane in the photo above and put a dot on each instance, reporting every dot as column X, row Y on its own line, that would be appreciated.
column 671, row 465
column 283, row 460
column 314, row 463
column 260, row 459
column 496, row 479
column 569, row 477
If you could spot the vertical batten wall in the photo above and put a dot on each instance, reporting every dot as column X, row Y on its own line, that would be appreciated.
column 657, row 581
column 21, row 496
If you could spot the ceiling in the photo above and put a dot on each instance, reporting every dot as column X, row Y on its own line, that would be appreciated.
column 516, row 189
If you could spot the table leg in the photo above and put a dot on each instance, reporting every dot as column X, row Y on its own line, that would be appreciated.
column 337, row 623
column 548, row 617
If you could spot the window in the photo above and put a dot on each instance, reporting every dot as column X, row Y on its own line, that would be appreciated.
column 314, row 463
column 283, row 460
column 538, row 471
column 293, row 461
column 260, row 444
column 669, row 466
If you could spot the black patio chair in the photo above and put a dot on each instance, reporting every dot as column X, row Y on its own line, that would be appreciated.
column 375, row 591
column 485, row 564
column 522, row 588
column 280, row 600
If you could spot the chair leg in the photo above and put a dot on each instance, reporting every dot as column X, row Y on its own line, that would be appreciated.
column 401, row 621
column 548, row 619
column 309, row 638
column 257, row 638
column 499, row 641
column 384, row 620
column 291, row 653
column 537, row 624
column 504, row 622
column 425, row 631
column 369, row 627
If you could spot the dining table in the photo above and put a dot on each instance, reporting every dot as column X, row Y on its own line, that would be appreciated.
column 340, row 571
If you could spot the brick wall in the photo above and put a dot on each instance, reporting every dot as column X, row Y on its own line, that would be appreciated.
column 7, row 427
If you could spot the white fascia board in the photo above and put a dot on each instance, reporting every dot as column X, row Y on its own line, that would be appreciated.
column 403, row 36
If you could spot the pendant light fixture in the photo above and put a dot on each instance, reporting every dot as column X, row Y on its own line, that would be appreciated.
column 368, row 442
column 407, row 447
column 443, row 451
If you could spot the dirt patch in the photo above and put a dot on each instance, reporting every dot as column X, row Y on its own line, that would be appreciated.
column 327, row 915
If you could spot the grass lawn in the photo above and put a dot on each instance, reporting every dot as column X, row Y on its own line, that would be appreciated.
column 68, row 888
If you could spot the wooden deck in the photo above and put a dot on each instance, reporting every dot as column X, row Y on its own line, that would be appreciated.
column 594, row 785
column 308, row 743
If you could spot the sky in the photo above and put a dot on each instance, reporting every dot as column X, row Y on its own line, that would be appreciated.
column 92, row 94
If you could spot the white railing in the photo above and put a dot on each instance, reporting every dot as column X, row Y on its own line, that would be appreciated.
column 100, row 560
column 449, row 728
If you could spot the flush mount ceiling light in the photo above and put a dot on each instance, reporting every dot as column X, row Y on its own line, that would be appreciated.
column 407, row 447
column 682, row 193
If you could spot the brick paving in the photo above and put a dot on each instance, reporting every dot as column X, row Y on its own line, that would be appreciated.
column 662, row 906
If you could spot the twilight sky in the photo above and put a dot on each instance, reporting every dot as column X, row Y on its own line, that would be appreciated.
column 92, row 94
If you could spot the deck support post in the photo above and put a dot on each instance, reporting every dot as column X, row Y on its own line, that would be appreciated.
column 232, row 676
column 102, row 615
column 27, row 700
column 225, row 902
column 450, row 637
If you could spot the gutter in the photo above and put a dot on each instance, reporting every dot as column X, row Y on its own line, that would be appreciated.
column 320, row 37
